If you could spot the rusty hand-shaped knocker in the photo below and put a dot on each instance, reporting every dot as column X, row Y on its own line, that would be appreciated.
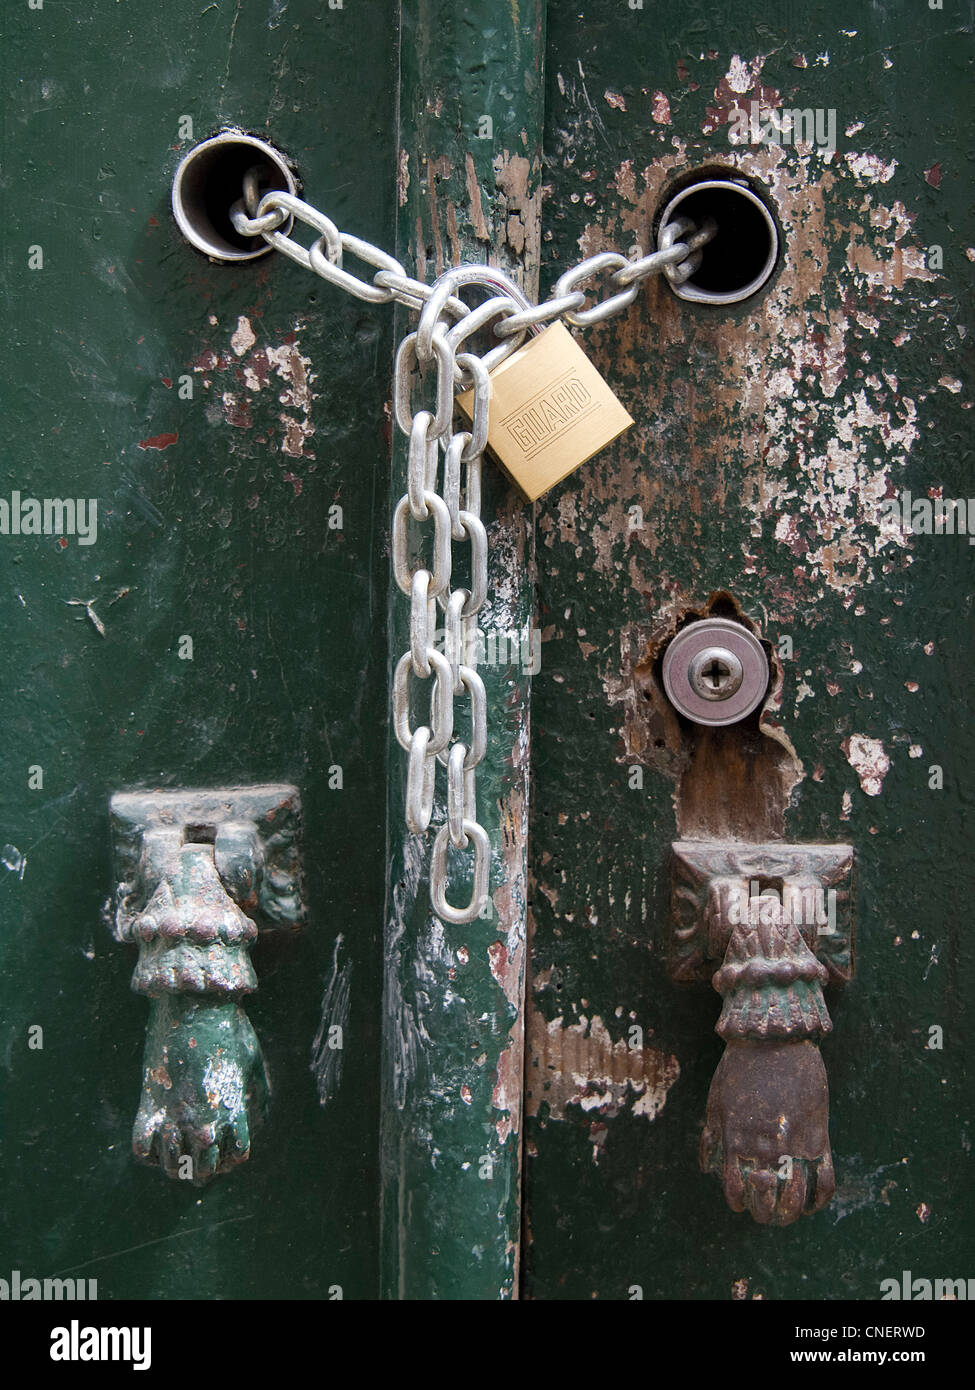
column 777, row 918
column 766, row 1134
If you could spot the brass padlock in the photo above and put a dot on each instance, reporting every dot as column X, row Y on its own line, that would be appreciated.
column 550, row 411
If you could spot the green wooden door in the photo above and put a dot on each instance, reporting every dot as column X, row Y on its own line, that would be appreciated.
column 774, row 440
column 220, row 629
column 231, row 624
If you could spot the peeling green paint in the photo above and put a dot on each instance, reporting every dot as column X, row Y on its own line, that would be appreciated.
column 767, row 437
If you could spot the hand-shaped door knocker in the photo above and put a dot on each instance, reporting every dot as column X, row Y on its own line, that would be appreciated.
column 198, row 873
column 777, row 918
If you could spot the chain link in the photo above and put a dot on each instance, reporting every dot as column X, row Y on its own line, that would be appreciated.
column 449, row 516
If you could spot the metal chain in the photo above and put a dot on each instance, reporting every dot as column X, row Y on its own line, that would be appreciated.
column 678, row 255
column 450, row 514
column 447, row 515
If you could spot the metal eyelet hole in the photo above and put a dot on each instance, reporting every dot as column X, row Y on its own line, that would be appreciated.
column 210, row 179
column 744, row 252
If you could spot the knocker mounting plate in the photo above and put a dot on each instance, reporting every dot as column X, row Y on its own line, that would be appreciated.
column 141, row 819
column 716, row 882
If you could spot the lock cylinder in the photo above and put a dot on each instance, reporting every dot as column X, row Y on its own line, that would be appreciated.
column 744, row 251
column 715, row 672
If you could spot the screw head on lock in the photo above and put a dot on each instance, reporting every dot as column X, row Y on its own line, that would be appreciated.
column 715, row 671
